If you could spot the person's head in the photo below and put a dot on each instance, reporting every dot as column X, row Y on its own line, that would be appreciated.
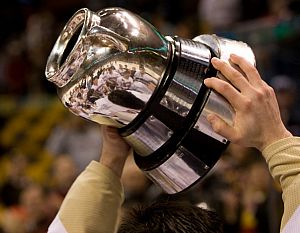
column 32, row 200
column 95, row 81
column 142, row 69
column 126, row 74
column 64, row 172
column 286, row 91
column 171, row 217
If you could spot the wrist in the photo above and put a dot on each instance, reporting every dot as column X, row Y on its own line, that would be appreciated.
column 114, row 160
column 270, row 139
column 115, row 165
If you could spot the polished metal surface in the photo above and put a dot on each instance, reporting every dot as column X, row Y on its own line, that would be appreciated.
column 115, row 65
column 179, row 97
column 223, row 47
column 179, row 172
column 189, row 76
column 114, row 68
column 218, row 105
column 149, row 137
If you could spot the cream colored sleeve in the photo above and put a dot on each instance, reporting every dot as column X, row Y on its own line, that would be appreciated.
column 283, row 158
column 93, row 202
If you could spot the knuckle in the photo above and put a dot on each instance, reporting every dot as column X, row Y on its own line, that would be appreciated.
column 270, row 91
column 237, row 138
column 264, row 92
column 248, row 104
column 252, row 70
column 224, row 86
column 260, row 94
column 255, row 72
column 249, row 68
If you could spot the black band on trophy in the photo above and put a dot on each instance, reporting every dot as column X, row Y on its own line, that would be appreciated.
column 180, row 125
column 184, row 125
column 155, row 98
column 122, row 72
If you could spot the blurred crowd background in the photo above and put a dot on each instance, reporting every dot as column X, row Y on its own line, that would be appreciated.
column 43, row 147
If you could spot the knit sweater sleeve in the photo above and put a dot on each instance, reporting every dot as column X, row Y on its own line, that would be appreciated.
column 92, row 203
column 283, row 158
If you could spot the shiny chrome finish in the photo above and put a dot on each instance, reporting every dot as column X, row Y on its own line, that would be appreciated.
column 179, row 172
column 189, row 76
column 149, row 137
column 114, row 68
column 223, row 47
column 218, row 105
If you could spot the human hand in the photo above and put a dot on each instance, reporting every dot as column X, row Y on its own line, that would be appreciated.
column 114, row 150
column 257, row 122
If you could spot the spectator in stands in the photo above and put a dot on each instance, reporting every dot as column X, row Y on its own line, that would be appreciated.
column 16, row 179
column 30, row 215
column 77, row 138
column 286, row 90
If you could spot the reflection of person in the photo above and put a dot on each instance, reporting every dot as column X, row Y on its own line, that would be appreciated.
column 121, row 104
column 257, row 124
column 124, row 82
column 142, row 76
column 142, row 81
column 126, row 99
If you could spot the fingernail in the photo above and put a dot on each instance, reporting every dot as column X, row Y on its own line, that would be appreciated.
column 214, row 60
column 233, row 56
column 209, row 81
column 206, row 83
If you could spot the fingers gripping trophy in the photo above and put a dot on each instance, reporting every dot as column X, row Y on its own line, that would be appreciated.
column 114, row 68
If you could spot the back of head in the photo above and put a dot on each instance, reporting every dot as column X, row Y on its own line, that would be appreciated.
column 171, row 217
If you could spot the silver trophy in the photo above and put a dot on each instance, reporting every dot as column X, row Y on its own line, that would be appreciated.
column 114, row 68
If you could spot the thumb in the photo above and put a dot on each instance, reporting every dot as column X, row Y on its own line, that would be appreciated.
column 110, row 133
column 220, row 126
column 113, row 142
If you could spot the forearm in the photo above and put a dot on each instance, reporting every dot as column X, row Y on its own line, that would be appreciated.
column 93, row 202
column 114, row 151
column 283, row 158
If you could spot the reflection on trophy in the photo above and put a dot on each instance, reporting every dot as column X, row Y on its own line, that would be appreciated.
column 114, row 68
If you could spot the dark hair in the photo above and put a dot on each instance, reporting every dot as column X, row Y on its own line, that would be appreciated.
column 171, row 217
